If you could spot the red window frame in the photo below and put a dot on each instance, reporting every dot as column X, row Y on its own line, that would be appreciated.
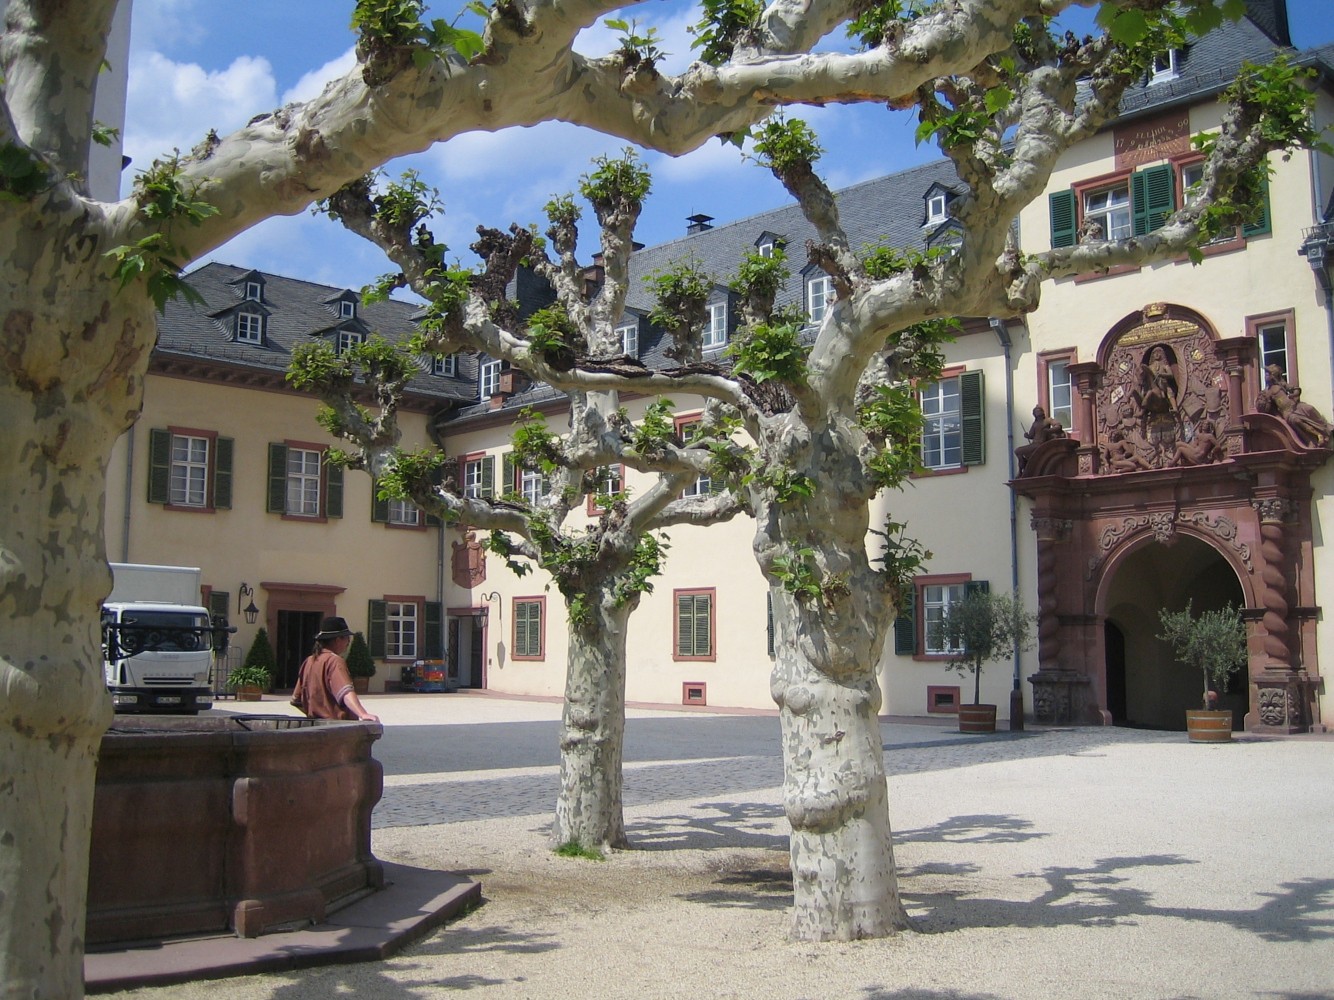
column 209, row 473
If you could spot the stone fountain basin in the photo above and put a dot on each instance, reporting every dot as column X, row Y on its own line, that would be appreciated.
column 229, row 823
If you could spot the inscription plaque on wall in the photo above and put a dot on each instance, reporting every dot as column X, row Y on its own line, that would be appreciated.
column 1155, row 139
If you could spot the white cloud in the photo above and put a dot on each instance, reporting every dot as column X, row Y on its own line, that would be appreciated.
column 173, row 105
column 672, row 37
column 712, row 160
column 165, row 24
column 312, row 83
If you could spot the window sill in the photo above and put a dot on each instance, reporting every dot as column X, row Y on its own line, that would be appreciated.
column 953, row 470
column 678, row 658
column 189, row 508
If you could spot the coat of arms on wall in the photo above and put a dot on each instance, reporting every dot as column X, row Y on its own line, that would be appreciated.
column 469, row 563
column 1164, row 397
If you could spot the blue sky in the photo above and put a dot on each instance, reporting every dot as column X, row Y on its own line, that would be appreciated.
column 199, row 64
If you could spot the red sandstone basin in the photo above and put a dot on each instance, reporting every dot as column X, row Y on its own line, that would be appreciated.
column 229, row 823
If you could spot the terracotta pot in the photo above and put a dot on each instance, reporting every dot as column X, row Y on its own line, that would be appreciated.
column 977, row 718
column 249, row 692
column 361, row 684
column 1208, row 726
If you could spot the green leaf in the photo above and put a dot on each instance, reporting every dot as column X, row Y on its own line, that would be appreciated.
column 616, row 24
column 1128, row 27
column 998, row 99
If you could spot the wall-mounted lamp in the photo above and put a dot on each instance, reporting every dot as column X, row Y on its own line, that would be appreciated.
column 250, row 611
column 494, row 596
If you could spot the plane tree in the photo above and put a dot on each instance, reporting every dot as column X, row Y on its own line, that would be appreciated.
column 602, row 569
column 80, row 280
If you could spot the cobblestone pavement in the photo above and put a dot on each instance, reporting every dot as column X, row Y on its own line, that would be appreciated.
column 667, row 758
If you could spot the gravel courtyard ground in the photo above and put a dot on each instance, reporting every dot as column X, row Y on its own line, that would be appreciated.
column 1083, row 863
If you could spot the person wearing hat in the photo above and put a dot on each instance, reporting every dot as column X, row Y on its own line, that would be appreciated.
column 323, row 685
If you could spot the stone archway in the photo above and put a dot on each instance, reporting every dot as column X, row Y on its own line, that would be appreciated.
column 1164, row 452
column 1155, row 690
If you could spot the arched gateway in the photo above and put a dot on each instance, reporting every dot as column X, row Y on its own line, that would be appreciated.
column 1173, row 486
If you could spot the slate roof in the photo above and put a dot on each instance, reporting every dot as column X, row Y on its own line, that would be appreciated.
column 295, row 311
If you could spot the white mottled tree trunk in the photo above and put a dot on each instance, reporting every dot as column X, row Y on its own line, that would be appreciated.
column 72, row 356
column 827, row 650
column 589, row 809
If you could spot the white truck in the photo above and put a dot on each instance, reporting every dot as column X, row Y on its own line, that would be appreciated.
column 157, row 640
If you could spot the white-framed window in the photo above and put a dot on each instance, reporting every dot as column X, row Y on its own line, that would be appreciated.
column 766, row 249
column 189, row 471
column 628, row 334
column 401, row 624
column 942, row 425
column 936, row 598
column 819, row 290
column 347, row 309
column 254, row 291
column 404, row 512
column 447, row 365
column 488, row 377
column 1191, row 175
column 715, row 334
column 347, row 339
column 1110, row 208
column 250, row 327
column 474, row 479
column 935, row 208
column 1060, row 397
column 1166, row 66
column 1272, row 341
column 611, row 480
column 303, row 482
column 532, row 485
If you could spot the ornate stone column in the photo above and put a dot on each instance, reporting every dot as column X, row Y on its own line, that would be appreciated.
column 1060, row 695
column 1279, row 703
column 1087, row 377
column 1236, row 354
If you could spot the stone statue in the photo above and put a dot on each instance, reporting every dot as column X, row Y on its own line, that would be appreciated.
column 1202, row 449
column 1285, row 401
column 1121, row 453
column 1043, row 429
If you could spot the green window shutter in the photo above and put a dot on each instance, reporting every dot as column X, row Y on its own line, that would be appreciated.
column 219, row 604
column 277, row 479
column 222, row 473
column 1151, row 197
column 972, row 409
column 379, row 508
column 432, row 521
column 509, row 481
column 1062, row 207
column 376, row 614
column 685, row 624
column 433, row 633
column 488, row 477
column 769, row 614
column 528, row 628
column 159, row 466
column 905, row 626
column 333, row 489
column 977, row 587
column 1262, row 224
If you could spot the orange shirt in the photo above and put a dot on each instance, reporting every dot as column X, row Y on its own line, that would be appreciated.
column 321, row 686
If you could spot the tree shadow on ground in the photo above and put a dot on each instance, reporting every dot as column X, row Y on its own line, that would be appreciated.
column 711, row 826
column 748, row 888
column 915, row 993
column 1104, row 894
column 982, row 828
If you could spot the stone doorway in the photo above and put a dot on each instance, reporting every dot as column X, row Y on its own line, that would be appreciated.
column 1147, row 687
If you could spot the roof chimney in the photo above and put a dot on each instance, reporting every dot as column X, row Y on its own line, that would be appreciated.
column 698, row 224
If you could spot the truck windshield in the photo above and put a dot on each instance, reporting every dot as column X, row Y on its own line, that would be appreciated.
column 164, row 632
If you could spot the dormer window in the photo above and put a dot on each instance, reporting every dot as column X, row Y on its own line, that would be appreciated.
column 347, row 309
column 768, row 244
column 715, row 334
column 628, row 334
column 1165, row 66
column 935, row 208
column 488, row 377
column 766, row 249
column 250, row 327
column 819, row 292
column 254, row 291
column 348, row 339
column 447, row 365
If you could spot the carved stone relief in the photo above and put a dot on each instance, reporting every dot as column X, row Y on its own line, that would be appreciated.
column 1164, row 398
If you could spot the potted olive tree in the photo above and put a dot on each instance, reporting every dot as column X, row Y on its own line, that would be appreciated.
column 977, row 630
column 360, row 663
column 1214, row 643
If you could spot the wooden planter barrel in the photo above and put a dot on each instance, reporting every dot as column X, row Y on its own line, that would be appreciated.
column 241, row 823
column 1209, row 726
column 977, row 718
